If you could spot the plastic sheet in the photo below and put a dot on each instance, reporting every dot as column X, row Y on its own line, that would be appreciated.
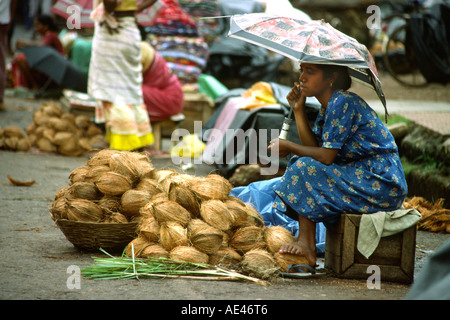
column 260, row 194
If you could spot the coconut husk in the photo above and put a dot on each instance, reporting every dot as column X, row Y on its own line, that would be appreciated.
column 253, row 217
column 29, row 129
column 188, row 254
column 216, row 213
column 70, row 117
column 110, row 204
column 172, row 234
column 144, row 166
column 185, row 197
column 101, row 158
column 154, row 251
column 248, row 238
column 45, row 145
column 58, row 124
column 138, row 244
column 166, row 210
column 83, row 190
column 49, row 134
column 51, row 109
column 283, row 260
column 113, row 184
column 212, row 187
column 204, row 237
column 85, row 145
column 78, row 174
column 95, row 172
column 40, row 118
column 226, row 257
column 11, row 143
column 23, row 144
column 239, row 211
column 276, row 236
column 151, row 186
column 115, row 217
column 83, row 210
column 93, row 130
column 124, row 164
column 260, row 263
column 33, row 139
column 71, row 148
column 162, row 174
column 58, row 209
column 149, row 228
column 82, row 122
column 184, row 180
column 13, row 131
column 61, row 193
column 133, row 200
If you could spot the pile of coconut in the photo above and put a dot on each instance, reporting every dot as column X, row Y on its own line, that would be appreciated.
column 180, row 216
column 14, row 139
column 52, row 130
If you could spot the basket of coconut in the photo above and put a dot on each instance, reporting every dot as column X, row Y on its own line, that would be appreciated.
column 100, row 208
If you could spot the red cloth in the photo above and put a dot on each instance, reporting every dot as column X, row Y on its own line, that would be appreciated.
column 162, row 91
column 51, row 39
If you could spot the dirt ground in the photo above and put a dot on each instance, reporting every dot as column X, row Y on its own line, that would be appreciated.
column 35, row 255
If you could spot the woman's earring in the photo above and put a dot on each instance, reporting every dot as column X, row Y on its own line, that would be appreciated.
column 331, row 84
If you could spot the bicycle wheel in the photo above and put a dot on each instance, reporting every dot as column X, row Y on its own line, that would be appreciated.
column 400, row 58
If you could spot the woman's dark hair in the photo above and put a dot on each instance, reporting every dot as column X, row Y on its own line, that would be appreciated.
column 48, row 21
column 343, row 80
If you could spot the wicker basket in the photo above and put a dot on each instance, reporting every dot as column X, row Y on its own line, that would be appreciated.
column 90, row 236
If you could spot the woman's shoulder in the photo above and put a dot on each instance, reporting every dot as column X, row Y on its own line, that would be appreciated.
column 341, row 97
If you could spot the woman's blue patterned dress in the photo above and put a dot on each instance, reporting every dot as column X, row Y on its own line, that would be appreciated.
column 365, row 177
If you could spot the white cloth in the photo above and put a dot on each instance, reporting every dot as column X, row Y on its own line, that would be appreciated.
column 5, row 17
column 373, row 226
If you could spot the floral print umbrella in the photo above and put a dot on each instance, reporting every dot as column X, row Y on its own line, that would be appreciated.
column 308, row 41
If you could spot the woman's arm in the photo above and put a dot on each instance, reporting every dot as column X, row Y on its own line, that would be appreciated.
column 307, row 136
column 145, row 4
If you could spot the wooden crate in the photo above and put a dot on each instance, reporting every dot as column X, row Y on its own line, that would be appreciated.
column 394, row 255
column 197, row 107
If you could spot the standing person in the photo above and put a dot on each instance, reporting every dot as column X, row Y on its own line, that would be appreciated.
column 348, row 162
column 115, row 74
column 7, row 9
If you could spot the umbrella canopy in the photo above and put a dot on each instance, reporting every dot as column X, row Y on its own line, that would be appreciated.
column 50, row 62
column 308, row 41
column 62, row 8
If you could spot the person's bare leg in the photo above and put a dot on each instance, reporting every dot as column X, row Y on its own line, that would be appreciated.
column 305, row 244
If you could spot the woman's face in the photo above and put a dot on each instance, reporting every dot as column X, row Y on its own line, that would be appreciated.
column 312, row 83
column 39, row 27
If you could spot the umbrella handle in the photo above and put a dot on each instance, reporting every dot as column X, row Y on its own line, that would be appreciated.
column 285, row 128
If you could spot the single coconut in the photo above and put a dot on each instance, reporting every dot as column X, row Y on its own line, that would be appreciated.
column 95, row 172
column 13, row 131
column 253, row 217
column 225, row 256
column 93, row 130
column 177, row 178
column 238, row 210
column 136, row 246
column 51, row 109
column 78, row 174
column 260, row 263
column 204, row 237
column 172, row 234
column 166, row 210
column 276, row 236
column 82, row 122
column 71, row 148
column 45, row 145
column 162, row 174
column 23, row 144
column 101, row 158
column 83, row 190
column 248, row 238
column 110, row 204
column 113, row 184
column 58, row 124
column 185, row 197
column 216, row 213
column 58, row 208
column 83, row 210
column 124, row 164
column 151, row 186
column 11, row 143
column 149, row 228
column 154, row 251
column 285, row 259
column 212, row 187
column 133, row 200
column 188, row 254
column 115, row 217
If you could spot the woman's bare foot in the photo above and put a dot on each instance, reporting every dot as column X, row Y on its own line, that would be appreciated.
column 300, row 248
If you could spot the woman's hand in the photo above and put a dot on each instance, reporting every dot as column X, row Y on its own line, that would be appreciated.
column 296, row 95
column 280, row 146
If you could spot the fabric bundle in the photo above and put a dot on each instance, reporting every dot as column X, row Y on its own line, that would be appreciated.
column 201, row 11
